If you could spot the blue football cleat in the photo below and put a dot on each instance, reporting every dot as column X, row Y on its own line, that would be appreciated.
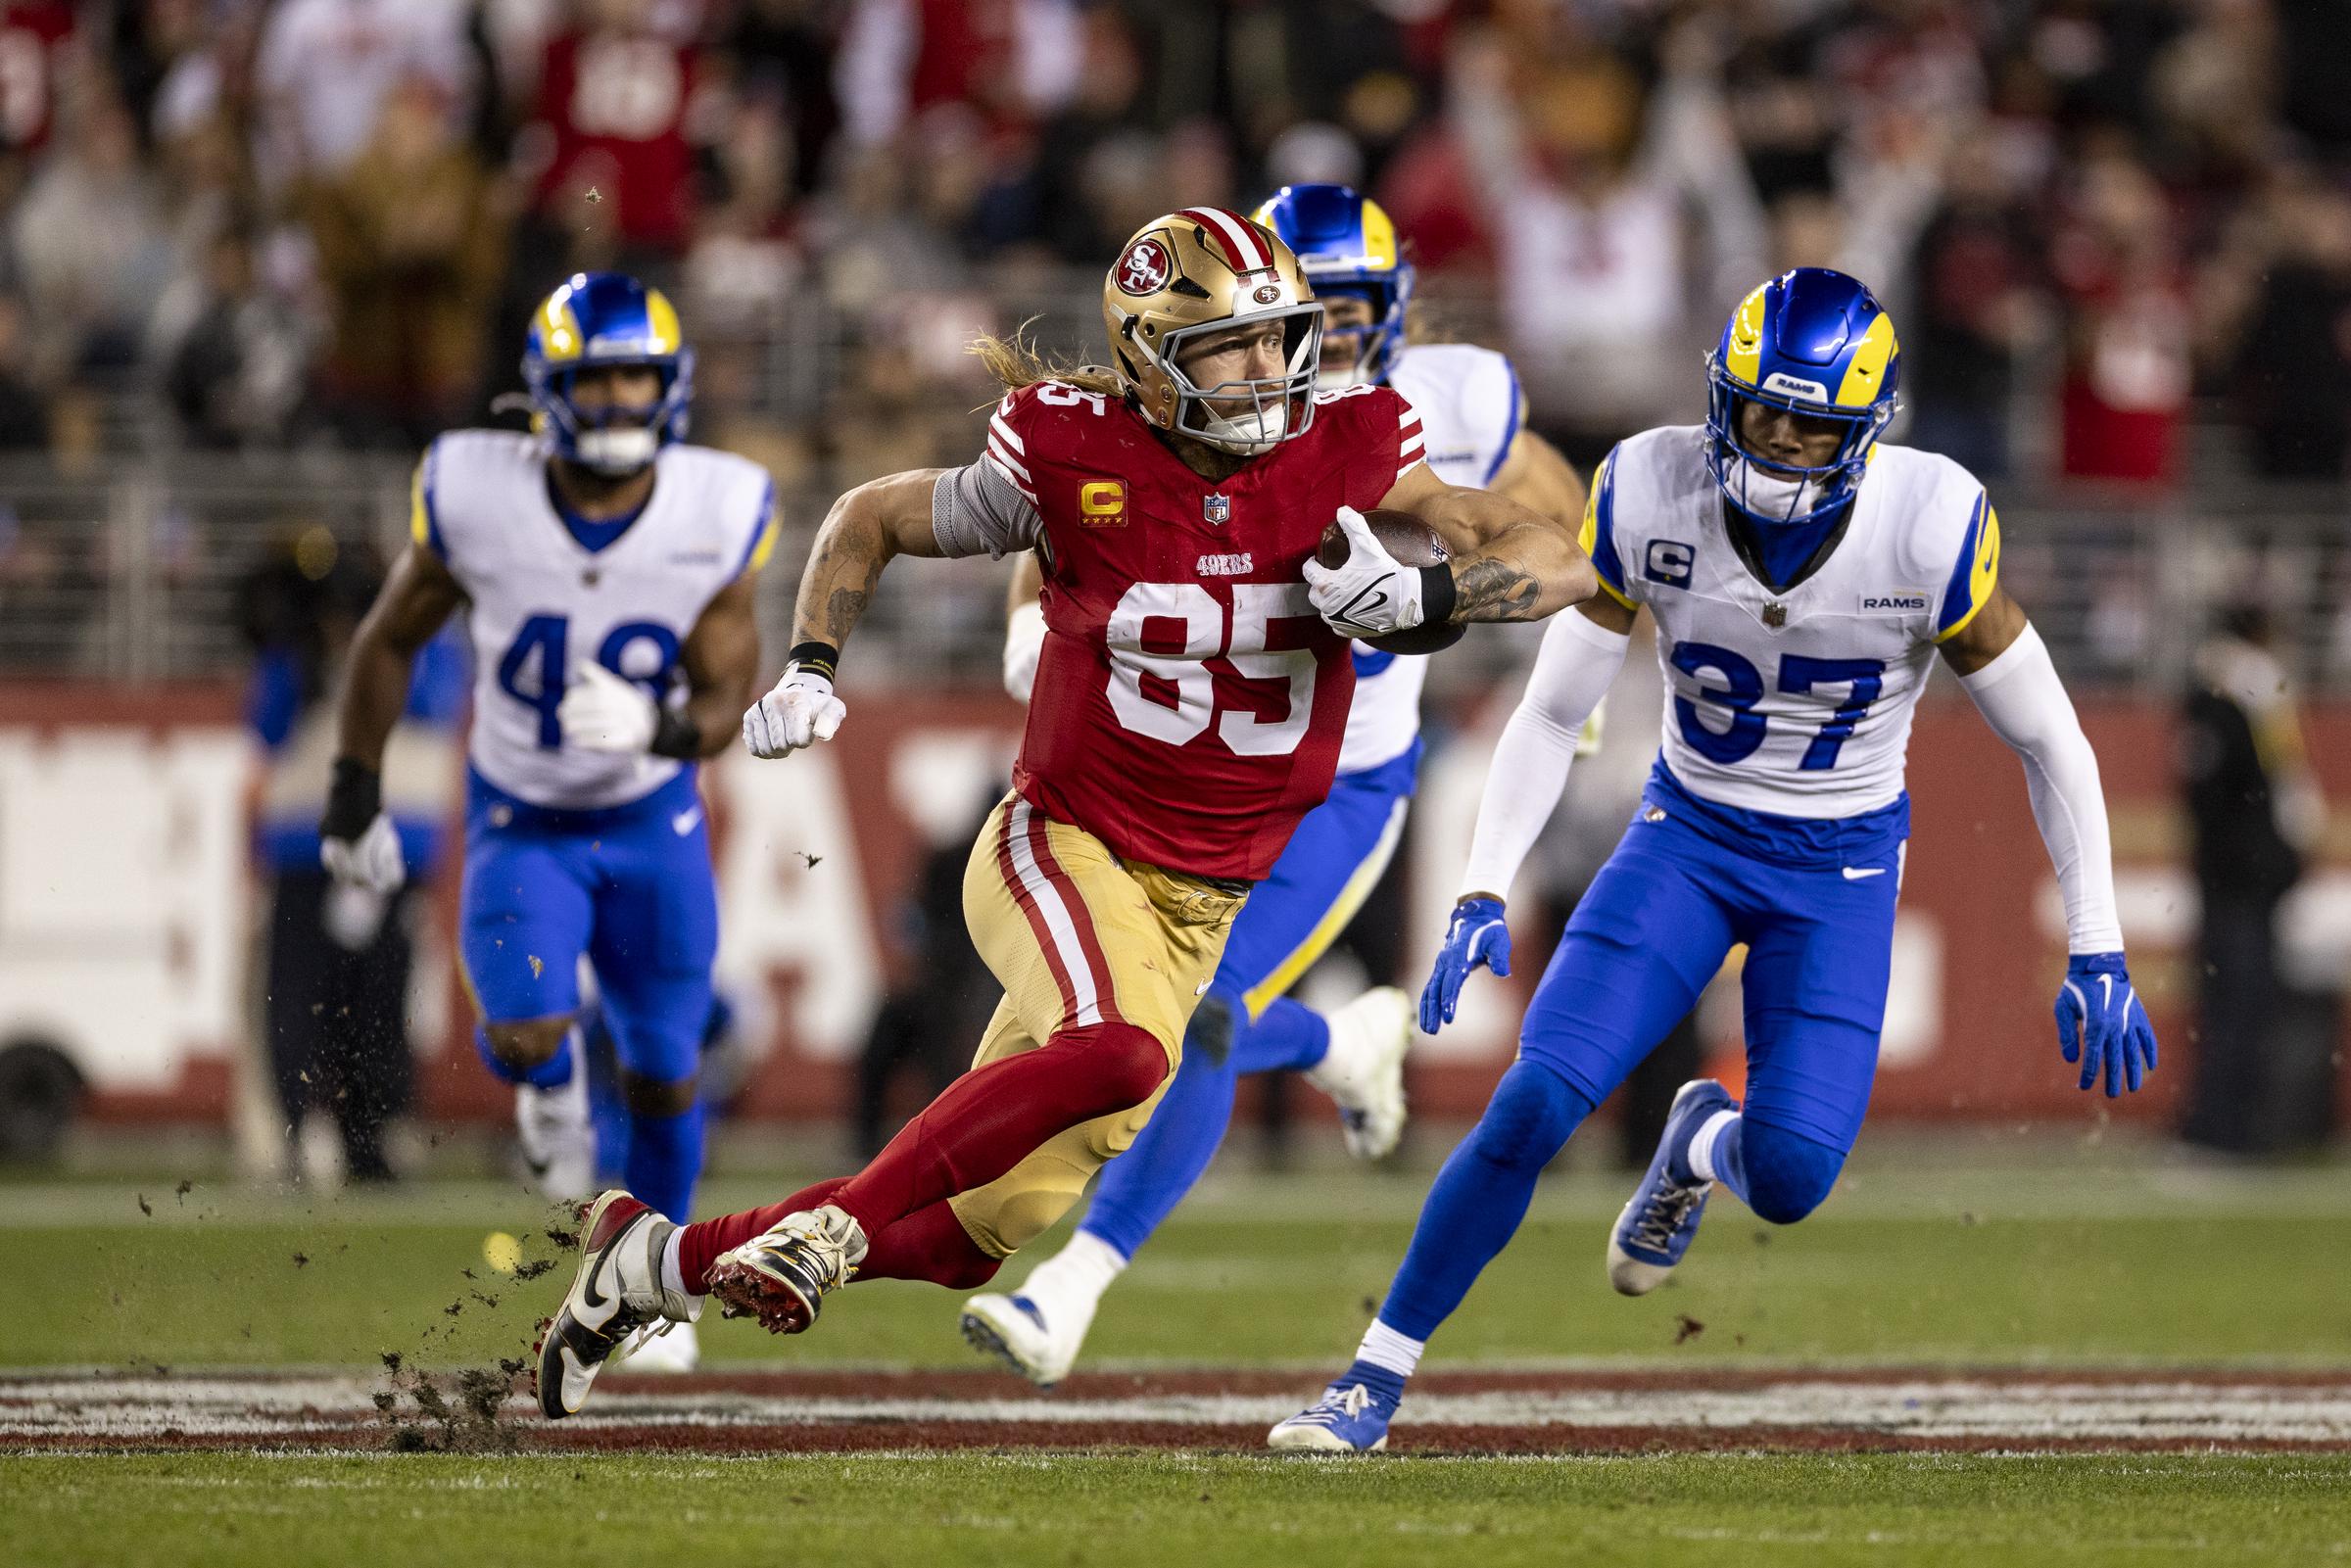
column 1350, row 1417
column 1656, row 1227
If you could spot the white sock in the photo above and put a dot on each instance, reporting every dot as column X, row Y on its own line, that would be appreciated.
column 1078, row 1273
column 673, row 1274
column 1390, row 1350
column 1702, row 1145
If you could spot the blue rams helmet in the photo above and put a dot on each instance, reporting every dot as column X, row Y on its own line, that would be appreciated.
column 604, row 318
column 1818, row 344
column 1347, row 245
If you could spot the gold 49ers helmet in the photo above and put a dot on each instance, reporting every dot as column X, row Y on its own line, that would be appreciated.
column 1200, row 271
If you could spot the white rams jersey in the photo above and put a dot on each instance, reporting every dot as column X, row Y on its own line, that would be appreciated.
column 1792, row 702
column 541, row 603
column 1467, row 399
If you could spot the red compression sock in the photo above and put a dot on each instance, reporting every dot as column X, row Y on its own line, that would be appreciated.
column 930, row 1244
column 704, row 1240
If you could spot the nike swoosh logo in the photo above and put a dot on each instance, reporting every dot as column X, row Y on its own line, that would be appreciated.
column 590, row 1296
column 2106, row 997
column 1854, row 873
column 684, row 822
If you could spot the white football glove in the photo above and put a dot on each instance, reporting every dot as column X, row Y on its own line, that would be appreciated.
column 800, row 712
column 1372, row 594
column 601, row 711
column 1023, row 644
column 371, row 861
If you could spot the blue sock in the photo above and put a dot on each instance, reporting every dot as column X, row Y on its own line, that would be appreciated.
column 1142, row 1186
column 1480, row 1196
column 1385, row 1382
column 1288, row 1035
column 665, row 1156
column 607, row 1113
column 552, row 1074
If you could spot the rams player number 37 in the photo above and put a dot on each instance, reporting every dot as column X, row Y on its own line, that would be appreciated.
column 1803, row 578
column 606, row 572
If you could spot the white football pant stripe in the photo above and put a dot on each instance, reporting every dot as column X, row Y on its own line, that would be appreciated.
column 1085, row 995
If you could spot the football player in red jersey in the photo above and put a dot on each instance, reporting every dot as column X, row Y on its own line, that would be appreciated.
column 1187, row 711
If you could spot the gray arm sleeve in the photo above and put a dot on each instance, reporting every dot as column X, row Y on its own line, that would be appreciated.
column 976, row 510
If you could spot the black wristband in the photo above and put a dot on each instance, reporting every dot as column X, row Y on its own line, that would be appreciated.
column 354, row 801
column 820, row 658
column 676, row 735
column 1437, row 593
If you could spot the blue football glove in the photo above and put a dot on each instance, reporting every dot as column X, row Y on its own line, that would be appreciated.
column 2101, row 1023
column 1478, row 935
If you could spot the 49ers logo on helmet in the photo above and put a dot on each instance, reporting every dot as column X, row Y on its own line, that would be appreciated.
column 1145, row 268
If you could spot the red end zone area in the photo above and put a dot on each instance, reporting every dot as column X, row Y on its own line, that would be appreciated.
column 1467, row 1412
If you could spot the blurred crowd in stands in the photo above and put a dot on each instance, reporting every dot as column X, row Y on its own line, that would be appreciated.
column 2106, row 226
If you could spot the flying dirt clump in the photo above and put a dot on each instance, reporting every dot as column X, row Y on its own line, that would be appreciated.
column 446, row 1415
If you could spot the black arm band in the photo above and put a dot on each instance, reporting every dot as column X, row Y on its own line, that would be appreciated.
column 353, row 801
column 821, row 658
column 1436, row 593
column 676, row 735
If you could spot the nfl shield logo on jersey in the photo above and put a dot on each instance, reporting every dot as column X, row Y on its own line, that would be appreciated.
column 1217, row 509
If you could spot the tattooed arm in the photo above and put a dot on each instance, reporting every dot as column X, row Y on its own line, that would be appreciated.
column 1510, row 563
column 879, row 519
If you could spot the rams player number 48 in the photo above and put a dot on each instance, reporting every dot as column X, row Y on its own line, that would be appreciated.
column 605, row 571
column 1803, row 578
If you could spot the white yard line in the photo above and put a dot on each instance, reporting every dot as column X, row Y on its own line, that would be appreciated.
column 65, row 1410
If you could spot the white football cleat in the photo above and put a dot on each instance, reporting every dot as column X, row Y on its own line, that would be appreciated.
column 1041, row 1346
column 1363, row 1071
column 782, row 1275
column 615, row 1292
column 663, row 1347
column 559, row 1140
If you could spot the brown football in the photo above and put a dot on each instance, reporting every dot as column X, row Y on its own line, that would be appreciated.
column 1415, row 543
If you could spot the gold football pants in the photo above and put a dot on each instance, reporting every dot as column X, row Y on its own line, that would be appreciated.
column 1078, row 937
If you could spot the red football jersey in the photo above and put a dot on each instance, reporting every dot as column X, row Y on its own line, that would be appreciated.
column 35, row 37
column 617, row 103
column 1189, row 702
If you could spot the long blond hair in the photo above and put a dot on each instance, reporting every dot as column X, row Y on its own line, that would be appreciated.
column 1014, row 359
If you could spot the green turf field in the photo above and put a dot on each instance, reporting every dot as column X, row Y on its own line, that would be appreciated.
column 2064, row 1260
column 2081, row 1256
column 1205, row 1512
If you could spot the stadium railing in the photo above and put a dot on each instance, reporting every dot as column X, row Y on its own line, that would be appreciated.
column 129, row 575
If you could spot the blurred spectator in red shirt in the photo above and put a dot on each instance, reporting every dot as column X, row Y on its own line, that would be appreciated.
column 36, row 42
column 1014, row 59
column 2126, row 370
column 617, row 100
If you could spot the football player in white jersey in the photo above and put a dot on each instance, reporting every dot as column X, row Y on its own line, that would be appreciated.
column 1803, row 578
column 607, row 573
column 1472, row 415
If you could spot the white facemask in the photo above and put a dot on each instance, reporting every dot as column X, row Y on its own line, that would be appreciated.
column 617, row 450
column 1248, row 434
column 1770, row 496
